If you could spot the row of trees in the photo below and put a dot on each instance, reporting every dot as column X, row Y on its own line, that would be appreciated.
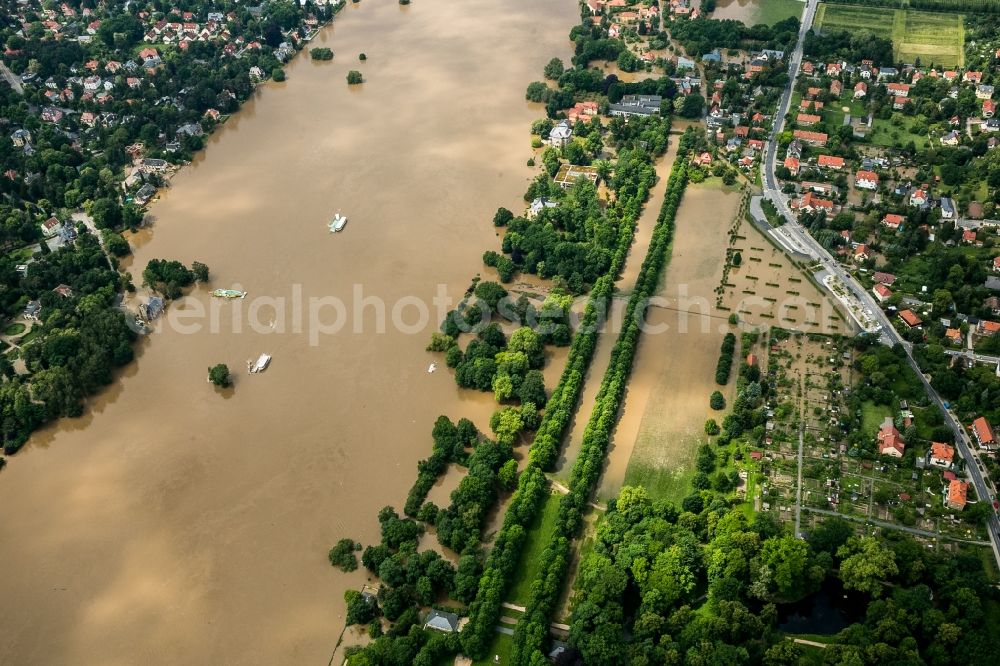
column 532, row 485
column 725, row 364
column 532, row 631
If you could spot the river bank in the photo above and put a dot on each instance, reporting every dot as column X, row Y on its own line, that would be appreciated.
column 171, row 524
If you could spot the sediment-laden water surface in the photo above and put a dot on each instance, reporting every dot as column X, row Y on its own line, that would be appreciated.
column 175, row 524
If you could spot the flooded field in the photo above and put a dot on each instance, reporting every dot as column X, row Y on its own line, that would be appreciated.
column 754, row 12
column 769, row 289
column 666, row 403
column 175, row 524
column 613, row 324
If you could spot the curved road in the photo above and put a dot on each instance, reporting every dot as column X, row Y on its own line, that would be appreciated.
column 888, row 335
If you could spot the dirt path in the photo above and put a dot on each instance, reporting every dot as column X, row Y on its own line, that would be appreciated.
column 612, row 326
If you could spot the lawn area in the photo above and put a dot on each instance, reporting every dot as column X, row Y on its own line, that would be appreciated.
column 661, row 483
column 531, row 557
column 872, row 416
column 500, row 647
column 884, row 133
column 932, row 37
column 17, row 328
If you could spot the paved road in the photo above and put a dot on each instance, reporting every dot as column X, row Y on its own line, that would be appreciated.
column 14, row 82
column 888, row 335
column 978, row 358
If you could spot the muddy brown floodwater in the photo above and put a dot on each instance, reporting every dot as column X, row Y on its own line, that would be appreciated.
column 172, row 524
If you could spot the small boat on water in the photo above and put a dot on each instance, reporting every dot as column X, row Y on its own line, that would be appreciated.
column 229, row 293
column 338, row 222
column 432, row 368
column 253, row 367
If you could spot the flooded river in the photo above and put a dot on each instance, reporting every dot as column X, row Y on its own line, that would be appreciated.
column 175, row 524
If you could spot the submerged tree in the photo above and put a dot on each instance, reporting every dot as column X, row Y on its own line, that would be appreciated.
column 219, row 375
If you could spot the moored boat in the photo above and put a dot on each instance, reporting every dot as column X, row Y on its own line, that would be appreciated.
column 338, row 222
column 229, row 293
column 260, row 364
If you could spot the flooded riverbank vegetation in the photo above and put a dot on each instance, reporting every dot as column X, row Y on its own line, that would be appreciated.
column 576, row 236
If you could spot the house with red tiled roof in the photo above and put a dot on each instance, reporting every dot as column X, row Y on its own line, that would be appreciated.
column 996, row 264
column 899, row 102
column 910, row 318
column 836, row 88
column 866, row 180
column 942, row 455
column 830, row 162
column 812, row 138
column 860, row 90
column 969, row 236
column 893, row 221
column 882, row 293
column 889, row 441
column 953, row 335
column 987, row 328
column 792, row 164
column 807, row 119
column 810, row 202
column 957, row 494
column 861, row 252
column 983, row 432
column 972, row 77
column 833, row 68
column 898, row 89
column 989, row 108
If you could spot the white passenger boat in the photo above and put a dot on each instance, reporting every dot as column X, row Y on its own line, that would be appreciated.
column 260, row 364
column 338, row 222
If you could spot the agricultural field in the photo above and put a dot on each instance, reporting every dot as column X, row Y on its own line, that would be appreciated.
column 933, row 38
column 755, row 12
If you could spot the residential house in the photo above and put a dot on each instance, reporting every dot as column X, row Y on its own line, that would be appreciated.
column 705, row 159
column 51, row 114
column 957, row 494
column 830, row 162
column 918, row 197
column 882, row 293
column 972, row 77
column 32, row 310
column 538, row 205
column 942, row 455
column 984, row 91
column 996, row 264
column 947, row 209
column 910, row 318
column 952, row 138
column 889, row 441
column 441, row 621
column 20, row 137
column 836, row 88
column 792, row 164
column 989, row 108
column 50, row 227
column 812, row 138
column 898, row 89
column 63, row 290
column 884, row 278
column 807, row 119
column 809, row 202
column 893, row 221
column 636, row 105
column 860, row 90
column 969, row 237
column 582, row 110
column 861, row 252
column 144, row 194
column 954, row 336
column 983, row 432
column 987, row 328
column 899, row 103
column 992, row 304
column 866, row 180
